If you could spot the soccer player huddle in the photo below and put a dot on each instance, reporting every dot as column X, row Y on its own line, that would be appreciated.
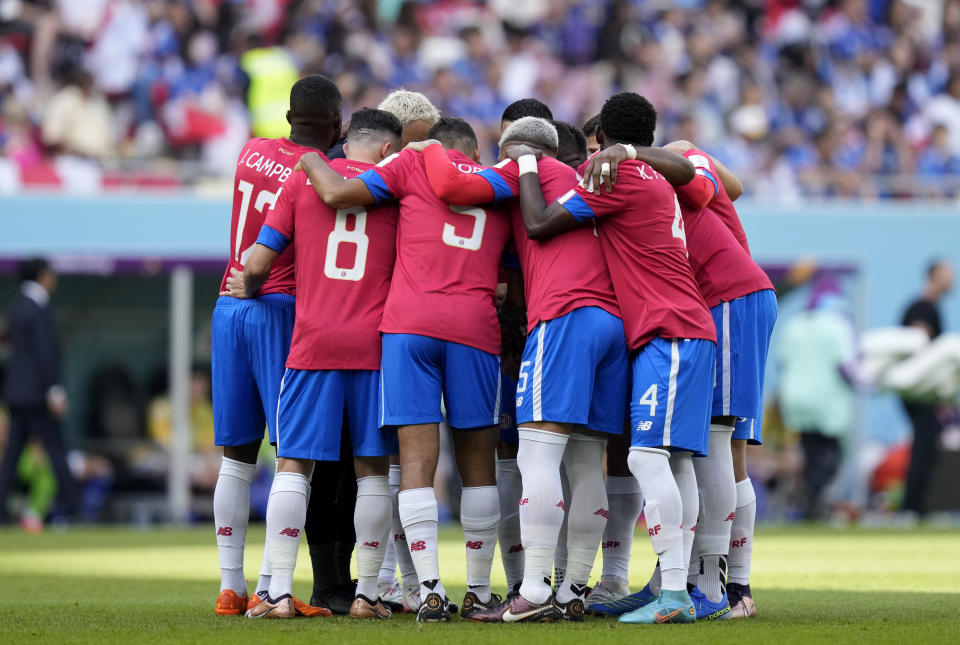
column 361, row 307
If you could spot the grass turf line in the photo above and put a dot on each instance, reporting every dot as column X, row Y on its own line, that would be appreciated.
column 812, row 584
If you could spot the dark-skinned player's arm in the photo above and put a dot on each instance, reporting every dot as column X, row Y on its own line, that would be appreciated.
column 257, row 269
column 540, row 220
column 458, row 188
column 674, row 168
column 729, row 180
column 331, row 187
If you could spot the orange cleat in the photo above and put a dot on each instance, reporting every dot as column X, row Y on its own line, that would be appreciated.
column 230, row 604
column 301, row 609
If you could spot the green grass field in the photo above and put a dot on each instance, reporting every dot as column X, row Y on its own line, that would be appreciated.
column 811, row 584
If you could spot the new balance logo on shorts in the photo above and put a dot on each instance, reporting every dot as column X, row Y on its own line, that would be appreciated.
column 519, row 401
column 506, row 421
column 419, row 545
column 736, row 544
column 475, row 545
column 643, row 426
column 654, row 531
column 611, row 544
column 372, row 545
column 225, row 530
column 290, row 532
column 516, row 548
column 602, row 512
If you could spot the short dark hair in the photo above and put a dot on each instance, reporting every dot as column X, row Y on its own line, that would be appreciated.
column 590, row 127
column 369, row 120
column 526, row 107
column 315, row 98
column 454, row 132
column 628, row 117
column 32, row 268
column 569, row 137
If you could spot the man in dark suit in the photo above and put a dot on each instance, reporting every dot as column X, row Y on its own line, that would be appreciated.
column 32, row 390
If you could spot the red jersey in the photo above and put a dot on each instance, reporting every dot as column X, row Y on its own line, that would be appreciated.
column 643, row 241
column 263, row 166
column 553, row 284
column 706, row 188
column 723, row 268
column 445, row 280
column 344, row 263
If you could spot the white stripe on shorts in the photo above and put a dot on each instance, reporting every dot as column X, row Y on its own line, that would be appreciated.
column 725, row 360
column 276, row 420
column 496, row 409
column 538, row 373
column 671, row 389
column 383, row 407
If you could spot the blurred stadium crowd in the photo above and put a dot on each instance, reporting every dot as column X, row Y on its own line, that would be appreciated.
column 801, row 97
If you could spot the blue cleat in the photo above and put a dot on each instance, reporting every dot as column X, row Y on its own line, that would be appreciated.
column 623, row 605
column 706, row 609
column 668, row 607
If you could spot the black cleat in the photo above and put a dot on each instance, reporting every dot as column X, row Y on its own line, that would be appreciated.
column 337, row 598
column 472, row 605
column 434, row 609
column 571, row 610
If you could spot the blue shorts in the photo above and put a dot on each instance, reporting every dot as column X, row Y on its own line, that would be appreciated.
column 672, row 383
column 744, row 326
column 417, row 370
column 508, row 411
column 315, row 404
column 574, row 370
column 250, row 339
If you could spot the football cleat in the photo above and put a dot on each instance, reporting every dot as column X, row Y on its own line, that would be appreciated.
column 362, row 607
column 571, row 610
column 668, row 607
column 411, row 598
column 334, row 598
column 282, row 607
column 434, row 609
column 302, row 609
column 519, row 610
column 741, row 601
column 707, row 609
column 230, row 604
column 391, row 596
column 514, row 592
column 608, row 590
column 472, row 605
column 619, row 607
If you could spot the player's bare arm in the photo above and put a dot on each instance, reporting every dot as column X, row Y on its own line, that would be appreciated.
column 541, row 221
column 255, row 271
column 729, row 180
column 675, row 169
column 330, row 186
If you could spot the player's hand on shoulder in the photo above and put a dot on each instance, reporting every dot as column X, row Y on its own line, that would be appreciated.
column 516, row 150
column 235, row 287
column 602, row 168
column 418, row 146
column 306, row 159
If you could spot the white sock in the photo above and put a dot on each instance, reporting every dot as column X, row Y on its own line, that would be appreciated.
column 408, row 573
column 509, row 489
column 263, row 583
column 372, row 519
column 625, row 501
column 681, row 463
column 664, row 513
column 286, row 515
column 560, row 555
column 719, row 491
column 479, row 516
column 388, row 569
column 418, row 512
column 741, row 534
column 231, row 514
column 587, row 513
column 541, row 507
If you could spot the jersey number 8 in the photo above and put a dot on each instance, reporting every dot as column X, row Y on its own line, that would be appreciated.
column 342, row 235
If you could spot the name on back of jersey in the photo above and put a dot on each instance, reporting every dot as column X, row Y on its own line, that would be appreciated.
column 267, row 167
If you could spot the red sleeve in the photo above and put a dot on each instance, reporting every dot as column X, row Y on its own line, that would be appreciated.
column 280, row 216
column 393, row 173
column 452, row 186
column 704, row 187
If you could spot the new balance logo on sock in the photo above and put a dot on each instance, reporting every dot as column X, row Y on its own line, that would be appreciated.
column 225, row 530
column 419, row 545
column 516, row 548
column 602, row 512
column 730, row 517
column 372, row 545
column 561, row 505
column 524, row 501
column 475, row 545
column 736, row 544
column 693, row 528
column 612, row 544
column 290, row 532
column 654, row 531
column 399, row 536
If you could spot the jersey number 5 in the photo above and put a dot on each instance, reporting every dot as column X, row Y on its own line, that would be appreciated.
column 264, row 198
column 341, row 235
column 472, row 243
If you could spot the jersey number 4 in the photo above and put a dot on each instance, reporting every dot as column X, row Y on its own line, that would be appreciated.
column 342, row 235
column 264, row 198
